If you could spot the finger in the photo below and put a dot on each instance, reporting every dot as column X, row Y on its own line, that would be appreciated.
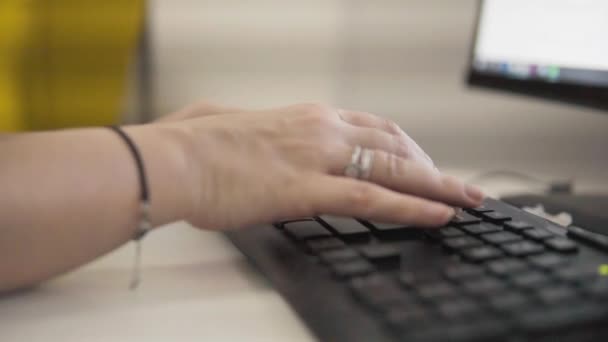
column 350, row 197
column 363, row 119
column 376, row 139
column 399, row 174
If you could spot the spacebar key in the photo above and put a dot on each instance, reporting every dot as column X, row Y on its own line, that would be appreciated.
column 565, row 317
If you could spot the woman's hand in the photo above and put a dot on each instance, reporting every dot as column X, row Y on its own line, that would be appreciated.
column 223, row 171
column 246, row 168
column 198, row 110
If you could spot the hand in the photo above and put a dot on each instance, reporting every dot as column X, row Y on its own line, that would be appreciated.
column 256, row 167
column 197, row 110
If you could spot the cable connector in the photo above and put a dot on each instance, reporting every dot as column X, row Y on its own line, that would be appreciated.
column 563, row 187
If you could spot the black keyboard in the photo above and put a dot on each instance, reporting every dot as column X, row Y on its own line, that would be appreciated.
column 495, row 273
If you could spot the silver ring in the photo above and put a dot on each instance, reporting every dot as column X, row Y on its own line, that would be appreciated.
column 365, row 164
column 353, row 170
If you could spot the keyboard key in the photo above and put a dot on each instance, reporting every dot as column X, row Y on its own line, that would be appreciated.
column 347, row 228
column 517, row 226
column 304, row 230
column 418, row 279
column 378, row 292
column 496, row 216
column 598, row 288
column 557, row 294
column 395, row 231
column 462, row 218
column 531, row 279
column 501, row 237
column 484, row 286
column 457, row 308
column 563, row 317
column 598, row 240
column 408, row 318
column 509, row 301
column 370, row 283
column 537, row 234
column 444, row 233
column 339, row 255
column 482, row 228
column 547, row 260
column 388, row 226
column 463, row 271
column 577, row 274
column 483, row 329
column 381, row 253
column 423, row 255
column 462, row 242
column 507, row 267
column 480, row 210
column 481, row 253
column 426, row 333
column 523, row 248
column 324, row 244
column 353, row 268
column 437, row 291
column 561, row 245
column 281, row 224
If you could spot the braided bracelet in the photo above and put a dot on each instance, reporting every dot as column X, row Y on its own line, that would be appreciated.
column 144, row 225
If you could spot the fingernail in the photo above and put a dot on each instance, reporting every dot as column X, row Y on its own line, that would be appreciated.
column 440, row 211
column 474, row 193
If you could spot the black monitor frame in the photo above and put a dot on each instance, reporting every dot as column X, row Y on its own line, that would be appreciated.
column 589, row 96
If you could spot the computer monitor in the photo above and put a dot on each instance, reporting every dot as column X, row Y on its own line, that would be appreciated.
column 555, row 49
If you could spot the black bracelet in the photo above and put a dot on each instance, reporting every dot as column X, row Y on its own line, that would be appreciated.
column 144, row 225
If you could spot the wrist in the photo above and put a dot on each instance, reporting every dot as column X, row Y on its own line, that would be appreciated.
column 168, row 170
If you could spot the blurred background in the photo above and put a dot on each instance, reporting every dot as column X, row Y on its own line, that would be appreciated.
column 70, row 63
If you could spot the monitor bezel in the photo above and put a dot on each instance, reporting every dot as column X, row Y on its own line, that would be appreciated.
column 588, row 96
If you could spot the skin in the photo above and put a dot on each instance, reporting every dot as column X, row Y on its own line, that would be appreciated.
column 71, row 196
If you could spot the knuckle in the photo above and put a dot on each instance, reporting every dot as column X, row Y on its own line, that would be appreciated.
column 403, row 148
column 317, row 118
column 392, row 127
column 395, row 167
column 316, row 109
column 204, row 106
column 320, row 122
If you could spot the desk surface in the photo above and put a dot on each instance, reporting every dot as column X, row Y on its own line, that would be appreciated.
column 196, row 287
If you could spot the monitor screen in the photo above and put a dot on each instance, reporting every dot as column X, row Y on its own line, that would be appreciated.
column 552, row 48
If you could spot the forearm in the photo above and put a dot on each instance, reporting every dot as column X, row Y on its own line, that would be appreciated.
column 71, row 196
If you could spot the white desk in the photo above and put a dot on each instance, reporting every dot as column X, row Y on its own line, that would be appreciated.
column 196, row 287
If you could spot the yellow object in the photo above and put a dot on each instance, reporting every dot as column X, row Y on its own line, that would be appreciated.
column 603, row 270
column 13, row 26
column 67, row 64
